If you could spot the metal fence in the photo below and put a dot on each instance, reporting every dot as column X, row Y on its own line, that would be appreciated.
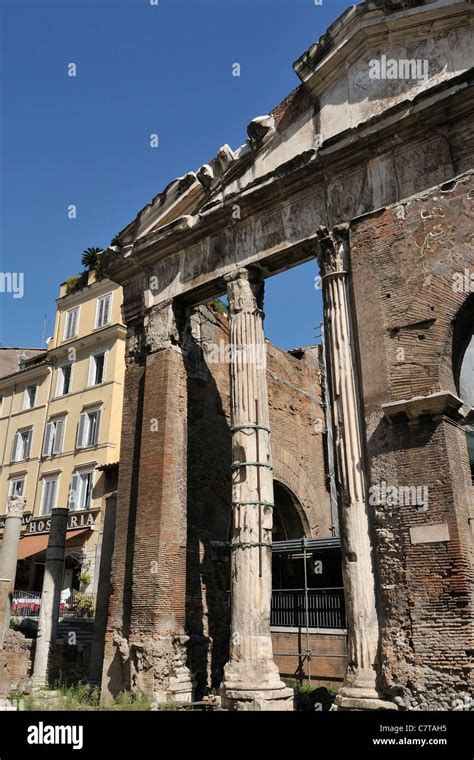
column 325, row 608
column 28, row 603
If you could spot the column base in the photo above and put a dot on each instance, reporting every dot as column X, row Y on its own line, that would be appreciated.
column 38, row 683
column 359, row 693
column 258, row 700
column 360, row 698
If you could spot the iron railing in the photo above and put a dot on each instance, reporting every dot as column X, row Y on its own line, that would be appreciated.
column 326, row 608
column 28, row 603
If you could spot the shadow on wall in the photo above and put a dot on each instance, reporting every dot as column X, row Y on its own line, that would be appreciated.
column 209, row 510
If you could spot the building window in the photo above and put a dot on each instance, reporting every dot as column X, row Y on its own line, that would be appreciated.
column 30, row 396
column 80, row 494
column 88, row 429
column 50, row 487
column 72, row 319
column 17, row 487
column 21, row 446
column 64, row 380
column 102, row 316
column 96, row 368
column 53, row 437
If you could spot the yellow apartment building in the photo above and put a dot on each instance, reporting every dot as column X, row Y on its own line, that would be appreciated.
column 60, row 421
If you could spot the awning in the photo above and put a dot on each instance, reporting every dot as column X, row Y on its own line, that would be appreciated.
column 30, row 545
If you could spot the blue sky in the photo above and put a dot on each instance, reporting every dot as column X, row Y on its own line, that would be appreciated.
column 84, row 140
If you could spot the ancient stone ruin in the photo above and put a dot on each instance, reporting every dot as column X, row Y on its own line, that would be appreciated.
column 366, row 169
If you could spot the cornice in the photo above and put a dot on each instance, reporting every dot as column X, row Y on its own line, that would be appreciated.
column 374, row 22
column 86, row 293
column 23, row 376
column 404, row 123
column 100, row 335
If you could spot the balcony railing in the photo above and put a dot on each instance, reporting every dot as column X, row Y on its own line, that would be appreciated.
column 325, row 608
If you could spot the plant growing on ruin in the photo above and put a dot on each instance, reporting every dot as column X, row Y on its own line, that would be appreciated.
column 218, row 306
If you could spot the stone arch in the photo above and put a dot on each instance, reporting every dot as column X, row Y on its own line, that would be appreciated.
column 463, row 331
column 289, row 519
column 311, row 502
column 463, row 366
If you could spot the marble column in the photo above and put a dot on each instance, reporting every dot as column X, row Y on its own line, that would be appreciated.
column 9, row 556
column 51, row 595
column 360, row 686
column 251, row 678
column 11, row 537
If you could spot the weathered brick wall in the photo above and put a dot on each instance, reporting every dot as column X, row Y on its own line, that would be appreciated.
column 170, row 568
column 403, row 259
column 15, row 664
column 115, row 673
column 295, row 407
column 297, row 421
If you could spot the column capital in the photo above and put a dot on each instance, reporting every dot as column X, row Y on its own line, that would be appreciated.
column 161, row 327
column 333, row 249
column 245, row 290
column 16, row 506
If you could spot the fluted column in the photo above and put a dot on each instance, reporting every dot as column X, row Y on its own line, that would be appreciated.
column 9, row 557
column 360, row 689
column 11, row 537
column 251, row 678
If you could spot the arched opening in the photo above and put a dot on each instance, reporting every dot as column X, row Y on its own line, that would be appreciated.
column 463, row 367
column 287, row 519
column 305, row 570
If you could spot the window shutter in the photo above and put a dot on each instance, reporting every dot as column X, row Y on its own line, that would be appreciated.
column 58, row 438
column 60, row 382
column 106, row 310
column 73, row 502
column 80, row 431
column 91, row 370
column 47, row 439
column 96, row 429
column 100, row 315
column 29, row 436
column 47, row 504
column 51, row 494
column 14, row 453
column 44, row 509
column 73, row 323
